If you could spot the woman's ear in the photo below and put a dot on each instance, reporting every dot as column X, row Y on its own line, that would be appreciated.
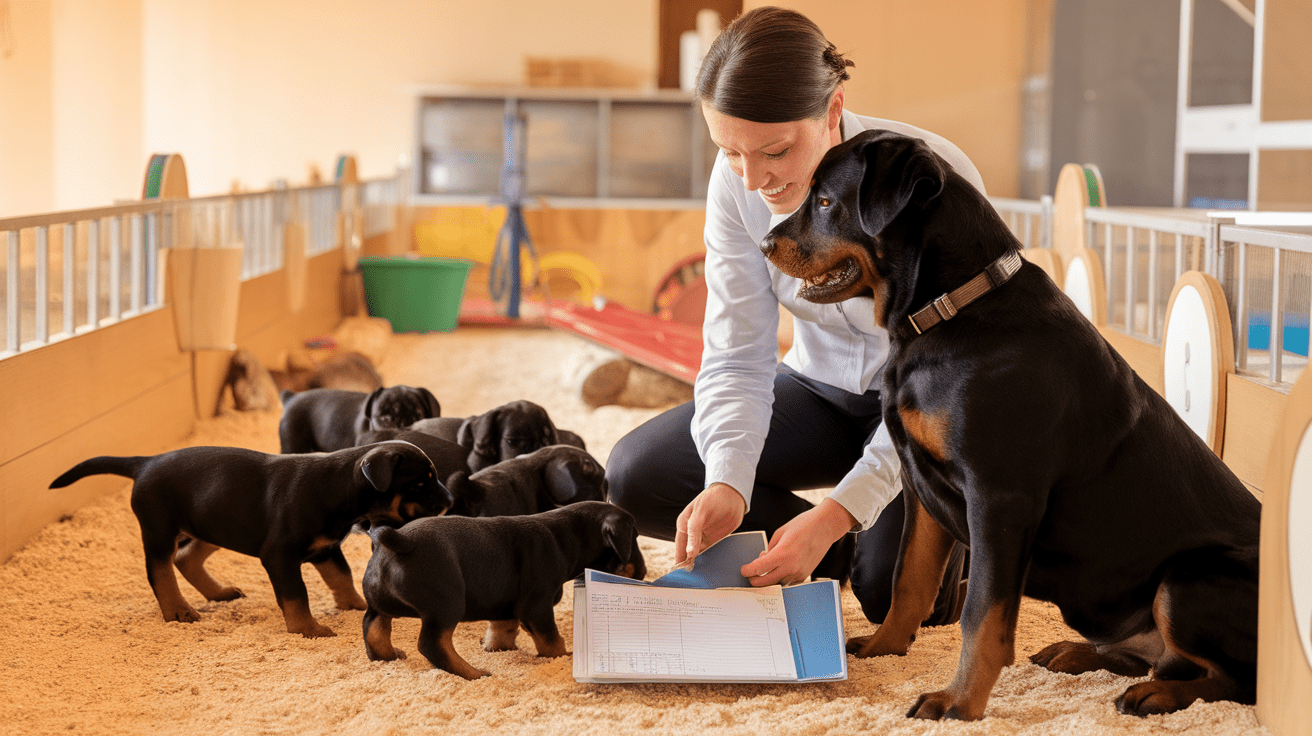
column 834, row 116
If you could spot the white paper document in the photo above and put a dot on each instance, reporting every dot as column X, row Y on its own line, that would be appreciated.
column 676, row 633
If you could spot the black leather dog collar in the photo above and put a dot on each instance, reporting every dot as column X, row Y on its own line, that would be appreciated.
column 945, row 307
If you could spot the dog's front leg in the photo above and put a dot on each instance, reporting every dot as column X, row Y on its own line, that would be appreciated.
column 336, row 572
column 1000, row 545
column 289, row 588
column 920, row 566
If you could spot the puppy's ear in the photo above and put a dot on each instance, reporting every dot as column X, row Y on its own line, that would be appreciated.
column 377, row 466
column 485, row 433
column 898, row 170
column 434, row 408
column 562, row 487
column 617, row 530
column 369, row 405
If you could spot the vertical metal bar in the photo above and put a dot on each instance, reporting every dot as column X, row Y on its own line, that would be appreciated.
column 1259, row 61
column 603, row 148
column 137, row 243
column 1241, row 309
column 70, row 231
column 1130, row 269
column 1152, row 284
column 154, row 223
column 115, row 266
column 1182, row 97
column 1107, row 270
column 1277, row 319
column 42, row 284
column 1179, row 257
column 93, row 274
column 1045, row 221
column 12, row 302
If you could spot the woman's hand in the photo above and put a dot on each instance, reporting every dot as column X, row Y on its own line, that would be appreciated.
column 798, row 546
column 711, row 516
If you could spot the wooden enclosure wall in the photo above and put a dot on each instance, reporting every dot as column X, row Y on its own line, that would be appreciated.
column 127, row 389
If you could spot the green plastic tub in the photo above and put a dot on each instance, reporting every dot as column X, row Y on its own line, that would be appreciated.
column 415, row 293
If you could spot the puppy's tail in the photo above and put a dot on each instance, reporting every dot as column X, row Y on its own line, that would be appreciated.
column 127, row 467
column 391, row 539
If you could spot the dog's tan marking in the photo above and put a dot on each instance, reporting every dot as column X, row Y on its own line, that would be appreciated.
column 165, row 584
column 301, row 621
column 1166, row 696
column 549, row 645
column 378, row 639
column 190, row 560
column 321, row 543
column 413, row 510
column 924, row 559
column 986, row 649
column 454, row 663
column 930, row 431
column 501, row 635
column 340, row 583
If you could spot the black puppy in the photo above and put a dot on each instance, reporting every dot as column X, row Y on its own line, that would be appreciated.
column 1025, row 436
column 542, row 480
column 447, row 457
column 283, row 509
column 452, row 569
column 510, row 430
column 327, row 419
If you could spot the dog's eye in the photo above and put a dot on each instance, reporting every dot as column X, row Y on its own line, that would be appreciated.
column 824, row 202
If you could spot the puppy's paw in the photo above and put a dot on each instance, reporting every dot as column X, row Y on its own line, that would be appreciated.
column 314, row 630
column 500, row 636
column 228, row 594
column 352, row 602
column 1159, row 696
column 185, row 615
column 938, row 705
column 871, row 646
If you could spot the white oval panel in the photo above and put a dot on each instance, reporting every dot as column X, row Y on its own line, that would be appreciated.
column 1189, row 370
column 1077, row 288
column 1300, row 543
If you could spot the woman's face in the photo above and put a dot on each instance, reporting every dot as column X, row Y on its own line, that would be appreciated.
column 776, row 160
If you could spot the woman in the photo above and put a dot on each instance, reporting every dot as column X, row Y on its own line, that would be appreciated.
column 771, row 91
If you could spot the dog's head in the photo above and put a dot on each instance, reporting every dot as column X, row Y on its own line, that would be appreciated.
column 399, row 484
column 619, row 553
column 841, row 241
column 510, row 430
column 397, row 407
column 570, row 475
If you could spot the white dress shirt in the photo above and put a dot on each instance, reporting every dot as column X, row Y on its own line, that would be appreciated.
column 836, row 344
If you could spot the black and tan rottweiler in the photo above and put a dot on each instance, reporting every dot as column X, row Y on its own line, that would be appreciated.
column 1025, row 436
column 509, row 569
column 283, row 509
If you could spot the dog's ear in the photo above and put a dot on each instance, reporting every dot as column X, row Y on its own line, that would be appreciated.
column 430, row 402
column 377, row 466
column 481, row 436
column 562, row 486
column 368, row 410
column 898, row 170
column 617, row 530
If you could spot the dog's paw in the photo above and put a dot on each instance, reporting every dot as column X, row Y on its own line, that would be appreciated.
column 354, row 602
column 1077, row 657
column 314, row 630
column 871, row 646
column 1157, row 696
column 228, row 594
column 186, row 615
column 939, row 705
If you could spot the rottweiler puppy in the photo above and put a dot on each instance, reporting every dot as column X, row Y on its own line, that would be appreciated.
column 328, row 419
column 510, row 430
column 1025, row 436
column 283, row 509
column 542, row 480
column 447, row 457
column 507, row 568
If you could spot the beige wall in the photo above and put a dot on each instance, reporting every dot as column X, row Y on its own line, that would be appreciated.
column 954, row 68
column 26, row 123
